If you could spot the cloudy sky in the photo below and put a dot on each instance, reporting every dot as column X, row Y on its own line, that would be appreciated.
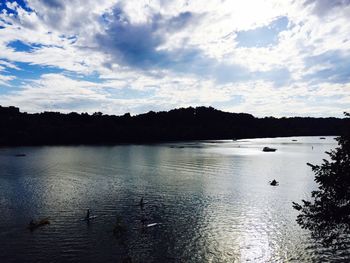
column 268, row 58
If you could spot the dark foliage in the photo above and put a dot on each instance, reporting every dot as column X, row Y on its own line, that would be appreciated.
column 49, row 128
column 328, row 214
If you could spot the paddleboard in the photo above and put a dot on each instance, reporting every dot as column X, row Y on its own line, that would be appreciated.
column 90, row 218
column 144, row 203
column 152, row 224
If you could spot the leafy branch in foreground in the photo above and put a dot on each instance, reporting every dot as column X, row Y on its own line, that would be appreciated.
column 327, row 216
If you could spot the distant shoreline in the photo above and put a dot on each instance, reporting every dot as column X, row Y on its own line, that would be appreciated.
column 154, row 142
column 184, row 124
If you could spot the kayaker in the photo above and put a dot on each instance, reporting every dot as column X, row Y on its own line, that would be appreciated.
column 87, row 214
column 141, row 202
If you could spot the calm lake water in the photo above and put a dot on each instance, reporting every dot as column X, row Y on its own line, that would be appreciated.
column 211, row 199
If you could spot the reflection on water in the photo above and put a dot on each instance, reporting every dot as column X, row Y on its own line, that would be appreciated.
column 212, row 200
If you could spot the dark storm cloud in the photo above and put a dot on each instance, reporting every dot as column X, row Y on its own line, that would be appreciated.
column 137, row 44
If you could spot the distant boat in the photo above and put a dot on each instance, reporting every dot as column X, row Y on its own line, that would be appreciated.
column 274, row 183
column 20, row 155
column 322, row 138
column 294, row 140
column 34, row 225
column 268, row 149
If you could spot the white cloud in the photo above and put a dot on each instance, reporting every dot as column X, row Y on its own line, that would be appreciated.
column 63, row 34
column 4, row 80
column 62, row 93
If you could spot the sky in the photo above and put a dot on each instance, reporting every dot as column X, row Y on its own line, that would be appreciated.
column 268, row 58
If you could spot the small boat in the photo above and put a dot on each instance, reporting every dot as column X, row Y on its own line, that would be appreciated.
column 322, row 138
column 268, row 149
column 20, row 155
column 273, row 183
column 294, row 140
column 35, row 224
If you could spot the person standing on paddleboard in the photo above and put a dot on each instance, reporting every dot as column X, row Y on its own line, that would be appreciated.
column 87, row 214
column 141, row 202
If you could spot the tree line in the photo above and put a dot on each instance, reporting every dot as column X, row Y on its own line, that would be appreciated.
column 200, row 123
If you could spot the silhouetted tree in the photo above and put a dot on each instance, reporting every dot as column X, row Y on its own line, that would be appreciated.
column 328, row 215
column 99, row 114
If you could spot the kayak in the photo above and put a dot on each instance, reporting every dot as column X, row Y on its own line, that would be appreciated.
column 152, row 224
column 140, row 204
column 20, row 155
column 87, row 219
column 34, row 225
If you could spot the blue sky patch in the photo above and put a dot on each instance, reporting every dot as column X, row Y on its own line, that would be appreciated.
column 20, row 46
column 21, row 3
column 129, row 93
column 336, row 67
column 262, row 36
column 31, row 71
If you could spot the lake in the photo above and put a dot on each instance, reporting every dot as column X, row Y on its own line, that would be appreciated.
column 211, row 200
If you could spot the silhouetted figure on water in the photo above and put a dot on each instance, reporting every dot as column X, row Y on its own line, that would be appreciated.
column 87, row 217
column 141, row 203
column 35, row 224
